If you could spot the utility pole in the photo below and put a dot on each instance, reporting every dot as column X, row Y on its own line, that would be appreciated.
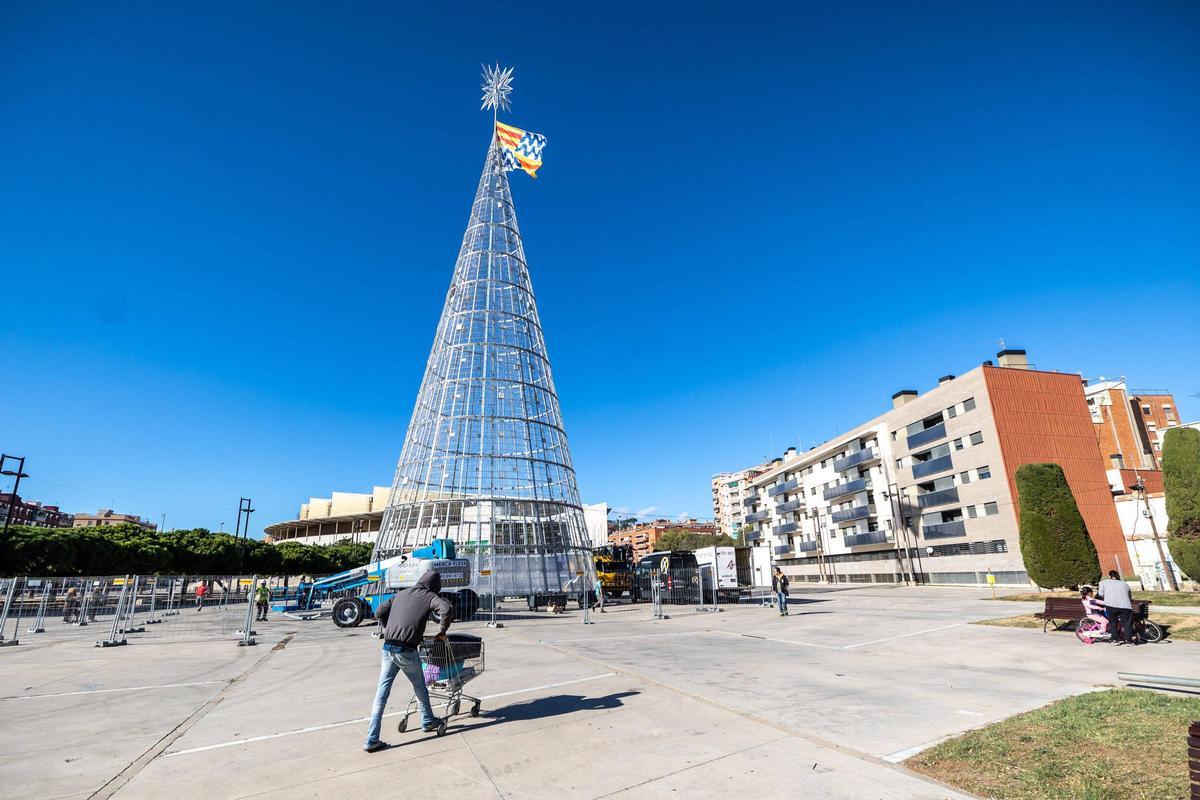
column 243, row 508
column 1140, row 487
column 16, row 474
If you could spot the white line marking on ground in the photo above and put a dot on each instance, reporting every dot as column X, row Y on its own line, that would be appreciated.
column 904, row 635
column 773, row 639
column 360, row 720
column 105, row 691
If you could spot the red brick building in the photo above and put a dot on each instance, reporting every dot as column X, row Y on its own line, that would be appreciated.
column 644, row 539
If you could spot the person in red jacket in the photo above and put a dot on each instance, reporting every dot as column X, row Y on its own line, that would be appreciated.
column 201, row 593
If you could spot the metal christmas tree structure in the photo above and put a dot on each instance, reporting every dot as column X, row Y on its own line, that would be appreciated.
column 485, row 460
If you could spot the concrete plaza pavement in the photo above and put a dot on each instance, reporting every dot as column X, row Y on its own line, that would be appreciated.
column 826, row 702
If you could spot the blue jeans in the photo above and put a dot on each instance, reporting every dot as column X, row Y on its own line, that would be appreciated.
column 396, row 659
column 782, row 600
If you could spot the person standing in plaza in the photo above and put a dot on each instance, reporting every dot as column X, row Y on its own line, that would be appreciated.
column 1118, row 600
column 262, row 599
column 779, row 585
column 71, row 606
column 201, row 592
column 598, row 590
column 402, row 618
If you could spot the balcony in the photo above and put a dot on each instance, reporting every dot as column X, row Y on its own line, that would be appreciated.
column 926, row 436
column 854, row 459
column 751, row 500
column 938, row 498
column 753, row 536
column 786, row 486
column 923, row 468
column 786, row 528
column 782, row 549
column 945, row 530
column 870, row 537
column 851, row 514
column 806, row 547
column 790, row 505
column 843, row 489
column 757, row 516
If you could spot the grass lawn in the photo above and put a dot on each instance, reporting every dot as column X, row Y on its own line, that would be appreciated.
column 1182, row 627
column 1157, row 598
column 1119, row 744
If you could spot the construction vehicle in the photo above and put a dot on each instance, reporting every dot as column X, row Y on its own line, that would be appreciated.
column 614, row 568
column 357, row 593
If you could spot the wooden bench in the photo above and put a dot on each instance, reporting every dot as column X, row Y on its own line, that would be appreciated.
column 1069, row 609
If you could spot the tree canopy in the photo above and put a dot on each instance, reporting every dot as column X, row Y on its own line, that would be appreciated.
column 130, row 549
column 1055, row 544
column 1181, row 482
column 684, row 539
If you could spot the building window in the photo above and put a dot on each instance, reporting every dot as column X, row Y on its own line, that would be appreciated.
column 893, row 436
column 969, row 404
column 958, row 444
column 977, row 438
column 991, row 509
column 1146, row 410
column 964, row 477
column 971, row 512
column 952, row 411
column 985, row 472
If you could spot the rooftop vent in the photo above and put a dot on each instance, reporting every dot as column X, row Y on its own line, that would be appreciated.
column 945, row 379
column 903, row 396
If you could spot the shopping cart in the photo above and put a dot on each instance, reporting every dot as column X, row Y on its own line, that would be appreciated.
column 448, row 664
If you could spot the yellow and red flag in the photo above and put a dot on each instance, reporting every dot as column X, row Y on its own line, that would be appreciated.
column 521, row 149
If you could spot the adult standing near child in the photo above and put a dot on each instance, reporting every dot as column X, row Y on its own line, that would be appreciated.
column 1118, row 600
column 779, row 584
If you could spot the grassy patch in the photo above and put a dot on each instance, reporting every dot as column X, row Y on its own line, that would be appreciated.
column 1120, row 744
column 1157, row 598
column 1181, row 627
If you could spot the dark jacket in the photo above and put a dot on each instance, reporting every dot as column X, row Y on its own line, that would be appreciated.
column 779, row 583
column 403, row 615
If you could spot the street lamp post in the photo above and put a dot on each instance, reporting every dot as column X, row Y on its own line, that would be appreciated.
column 1140, row 488
column 893, row 493
column 16, row 474
column 243, row 508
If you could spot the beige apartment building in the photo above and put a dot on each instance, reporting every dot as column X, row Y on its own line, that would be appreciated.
column 729, row 489
column 926, row 491
column 325, row 520
column 106, row 516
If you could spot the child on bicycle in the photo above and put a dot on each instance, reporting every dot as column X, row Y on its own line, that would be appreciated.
column 1093, row 608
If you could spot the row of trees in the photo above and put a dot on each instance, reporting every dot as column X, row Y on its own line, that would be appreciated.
column 129, row 549
column 1055, row 544
column 684, row 539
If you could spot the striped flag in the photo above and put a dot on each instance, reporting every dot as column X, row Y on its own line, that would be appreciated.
column 521, row 149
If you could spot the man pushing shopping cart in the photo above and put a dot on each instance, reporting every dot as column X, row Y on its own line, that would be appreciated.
column 444, row 663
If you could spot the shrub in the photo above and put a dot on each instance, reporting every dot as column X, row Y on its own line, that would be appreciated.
column 1181, row 481
column 1055, row 544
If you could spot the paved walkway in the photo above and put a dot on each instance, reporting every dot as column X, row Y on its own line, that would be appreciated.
column 824, row 703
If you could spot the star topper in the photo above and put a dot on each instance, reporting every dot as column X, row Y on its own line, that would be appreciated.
column 497, row 86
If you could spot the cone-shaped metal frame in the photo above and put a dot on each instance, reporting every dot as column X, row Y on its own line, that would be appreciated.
column 485, row 461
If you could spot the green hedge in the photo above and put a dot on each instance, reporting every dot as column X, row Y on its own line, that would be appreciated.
column 1055, row 544
column 128, row 549
column 1181, row 481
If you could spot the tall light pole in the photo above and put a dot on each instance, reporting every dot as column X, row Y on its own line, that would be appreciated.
column 16, row 474
column 893, row 493
column 243, row 508
column 1140, row 488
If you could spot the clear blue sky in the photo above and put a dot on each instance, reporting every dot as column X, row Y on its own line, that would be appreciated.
column 226, row 231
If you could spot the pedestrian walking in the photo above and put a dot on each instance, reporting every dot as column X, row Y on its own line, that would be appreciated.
column 779, row 585
column 201, row 593
column 598, row 588
column 1118, row 601
column 71, row 605
column 262, row 599
column 402, row 618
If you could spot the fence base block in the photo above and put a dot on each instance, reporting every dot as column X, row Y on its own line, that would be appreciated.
column 9, row 642
column 495, row 624
column 152, row 622
column 111, row 644
column 244, row 643
column 36, row 630
column 138, row 629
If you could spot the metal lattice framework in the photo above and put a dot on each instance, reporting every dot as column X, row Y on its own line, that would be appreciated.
column 485, row 461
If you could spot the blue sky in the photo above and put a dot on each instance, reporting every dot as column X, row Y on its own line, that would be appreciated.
column 226, row 231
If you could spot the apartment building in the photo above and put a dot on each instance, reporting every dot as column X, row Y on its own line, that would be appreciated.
column 926, row 491
column 728, row 491
column 32, row 512
column 106, row 516
column 1130, row 425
